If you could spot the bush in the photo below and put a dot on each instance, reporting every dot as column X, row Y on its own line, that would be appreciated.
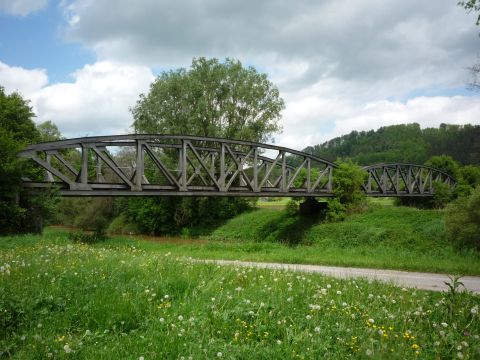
column 120, row 225
column 443, row 195
column 167, row 216
column 336, row 211
column 291, row 208
column 348, row 182
column 462, row 221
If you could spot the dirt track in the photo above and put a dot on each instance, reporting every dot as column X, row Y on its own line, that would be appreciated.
column 426, row 281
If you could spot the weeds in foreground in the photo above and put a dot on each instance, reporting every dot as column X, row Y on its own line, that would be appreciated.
column 86, row 237
column 65, row 300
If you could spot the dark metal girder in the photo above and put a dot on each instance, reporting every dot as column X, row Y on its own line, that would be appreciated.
column 415, row 180
column 206, row 166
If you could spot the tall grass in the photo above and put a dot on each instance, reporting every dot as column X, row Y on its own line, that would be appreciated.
column 117, row 301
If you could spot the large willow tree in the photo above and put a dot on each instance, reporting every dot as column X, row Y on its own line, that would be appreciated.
column 211, row 98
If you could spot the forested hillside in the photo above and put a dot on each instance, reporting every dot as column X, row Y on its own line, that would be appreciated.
column 405, row 143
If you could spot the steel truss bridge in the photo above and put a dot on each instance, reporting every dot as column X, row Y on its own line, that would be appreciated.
column 178, row 165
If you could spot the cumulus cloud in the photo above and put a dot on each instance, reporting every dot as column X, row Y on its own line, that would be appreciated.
column 27, row 82
column 22, row 7
column 312, row 121
column 96, row 102
column 400, row 43
column 340, row 65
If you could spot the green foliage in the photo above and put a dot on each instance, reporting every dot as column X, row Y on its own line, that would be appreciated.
column 418, row 202
column 292, row 207
column 404, row 143
column 162, row 216
column 463, row 221
column 467, row 179
column 301, row 178
column 120, row 225
column 49, row 131
column 19, row 212
column 336, row 211
column 471, row 5
column 348, row 180
column 87, row 238
column 94, row 214
column 211, row 99
column 249, row 226
column 443, row 194
column 444, row 163
column 470, row 175
column 453, row 297
column 350, row 197
column 120, row 301
column 383, row 237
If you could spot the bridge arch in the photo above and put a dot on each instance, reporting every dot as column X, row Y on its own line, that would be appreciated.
column 183, row 165
column 402, row 179
column 178, row 165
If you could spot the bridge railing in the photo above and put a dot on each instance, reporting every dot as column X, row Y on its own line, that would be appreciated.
column 402, row 179
column 129, row 165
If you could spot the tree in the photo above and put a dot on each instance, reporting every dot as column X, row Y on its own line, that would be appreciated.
column 444, row 163
column 18, row 213
column 49, row 131
column 404, row 143
column 348, row 180
column 462, row 221
column 469, row 6
column 211, row 98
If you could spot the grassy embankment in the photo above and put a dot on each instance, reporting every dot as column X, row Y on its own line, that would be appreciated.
column 385, row 237
column 116, row 301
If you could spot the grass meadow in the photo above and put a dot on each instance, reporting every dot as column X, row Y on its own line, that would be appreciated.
column 114, row 300
column 385, row 237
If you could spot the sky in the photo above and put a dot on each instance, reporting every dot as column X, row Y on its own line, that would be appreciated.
column 340, row 65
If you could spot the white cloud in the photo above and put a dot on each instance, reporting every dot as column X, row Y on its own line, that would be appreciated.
column 22, row 7
column 398, row 44
column 96, row 102
column 312, row 121
column 27, row 82
column 340, row 65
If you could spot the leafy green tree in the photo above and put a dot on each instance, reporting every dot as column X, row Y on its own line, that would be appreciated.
column 49, row 131
column 404, row 143
column 18, row 212
column 211, row 98
column 462, row 221
column 469, row 175
column 443, row 193
column 348, row 180
column 444, row 163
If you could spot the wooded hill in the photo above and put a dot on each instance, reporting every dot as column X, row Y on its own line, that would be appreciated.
column 404, row 143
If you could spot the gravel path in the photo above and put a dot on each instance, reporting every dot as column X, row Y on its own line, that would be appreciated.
column 426, row 281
